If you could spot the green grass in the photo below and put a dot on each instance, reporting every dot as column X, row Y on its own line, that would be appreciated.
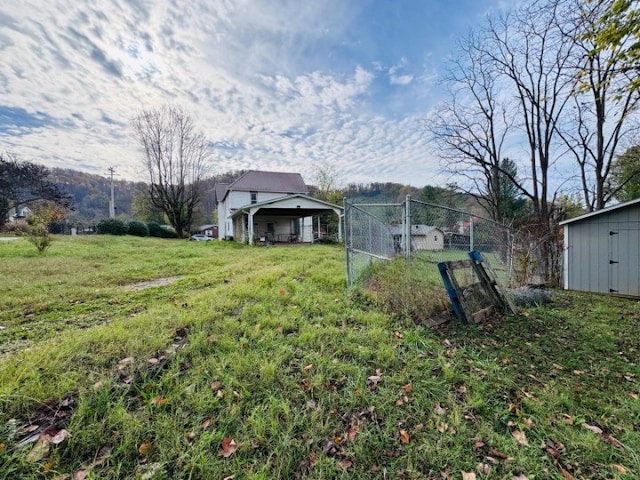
column 264, row 345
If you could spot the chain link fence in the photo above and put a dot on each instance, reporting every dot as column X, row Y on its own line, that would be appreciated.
column 420, row 231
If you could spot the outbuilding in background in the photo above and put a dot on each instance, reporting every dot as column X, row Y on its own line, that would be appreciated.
column 602, row 251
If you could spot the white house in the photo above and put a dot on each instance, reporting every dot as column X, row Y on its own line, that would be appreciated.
column 268, row 207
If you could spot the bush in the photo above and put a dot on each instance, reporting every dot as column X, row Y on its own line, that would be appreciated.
column 138, row 229
column 111, row 226
column 159, row 231
column 17, row 227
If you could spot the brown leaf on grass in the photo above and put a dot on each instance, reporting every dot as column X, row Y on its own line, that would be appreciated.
column 306, row 385
column 500, row 455
column 3, row 447
column 159, row 400
column 619, row 468
column 345, row 464
column 611, row 440
column 520, row 476
column 439, row 410
column 564, row 472
column 404, row 437
column 353, row 431
column 228, row 448
column 206, row 422
column 374, row 379
column 484, row 469
column 308, row 367
column 468, row 475
column 634, row 395
column 407, row 388
column 144, row 449
column 442, row 427
column 215, row 386
column 80, row 474
column 593, row 428
column 398, row 335
column 191, row 436
column 568, row 419
column 520, row 437
column 220, row 394
column 528, row 422
column 478, row 443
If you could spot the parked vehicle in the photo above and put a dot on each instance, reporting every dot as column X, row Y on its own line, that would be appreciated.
column 198, row 237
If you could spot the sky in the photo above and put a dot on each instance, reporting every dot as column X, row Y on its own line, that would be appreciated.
column 274, row 85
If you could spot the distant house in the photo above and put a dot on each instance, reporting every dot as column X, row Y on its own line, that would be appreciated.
column 268, row 207
column 19, row 213
column 208, row 230
column 423, row 237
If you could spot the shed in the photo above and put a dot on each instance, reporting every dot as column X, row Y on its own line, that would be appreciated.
column 602, row 251
column 423, row 237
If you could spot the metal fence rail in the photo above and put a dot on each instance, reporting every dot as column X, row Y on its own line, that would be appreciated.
column 377, row 232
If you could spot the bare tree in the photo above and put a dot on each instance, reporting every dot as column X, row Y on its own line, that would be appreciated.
column 176, row 161
column 603, row 106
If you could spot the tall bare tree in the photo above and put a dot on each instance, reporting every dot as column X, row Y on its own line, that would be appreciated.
column 603, row 106
column 176, row 161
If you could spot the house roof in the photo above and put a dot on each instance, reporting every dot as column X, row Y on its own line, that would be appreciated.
column 219, row 192
column 602, row 211
column 280, row 205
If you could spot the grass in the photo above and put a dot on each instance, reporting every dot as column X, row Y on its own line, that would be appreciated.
column 265, row 347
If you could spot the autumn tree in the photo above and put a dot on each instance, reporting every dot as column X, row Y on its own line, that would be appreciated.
column 176, row 161
column 25, row 183
column 625, row 178
column 40, row 219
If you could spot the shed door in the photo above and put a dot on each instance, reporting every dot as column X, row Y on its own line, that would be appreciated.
column 614, row 259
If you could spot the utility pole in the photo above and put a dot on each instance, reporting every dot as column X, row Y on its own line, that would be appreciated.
column 112, row 205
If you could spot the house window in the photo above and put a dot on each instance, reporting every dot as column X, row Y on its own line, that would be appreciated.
column 254, row 197
column 435, row 238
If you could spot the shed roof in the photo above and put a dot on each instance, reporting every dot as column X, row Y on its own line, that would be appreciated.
column 602, row 211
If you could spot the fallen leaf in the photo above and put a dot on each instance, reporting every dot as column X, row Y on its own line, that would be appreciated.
column 3, row 447
column 353, row 431
column 80, row 474
column 407, row 388
column 39, row 451
column 593, row 428
column 568, row 419
column 633, row 395
column 484, row 469
column 220, row 394
column 374, row 379
column 468, row 475
column 206, row 422
column 520, row 437
column 345, row 464
column 520, row 476
column 619, row 468
column 229, row 447
column 442, row 427
column 439, row 410
column 528, row 422
column 215, row 386
column 565, row 473
column 191, row 436
column 308, row 367
column 398, row 335
column 404, row 437
column 611, row 440
column 144, row 449
column 478, row 443
column 159, row 400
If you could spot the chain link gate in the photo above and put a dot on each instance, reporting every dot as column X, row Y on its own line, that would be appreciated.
column 377, row 232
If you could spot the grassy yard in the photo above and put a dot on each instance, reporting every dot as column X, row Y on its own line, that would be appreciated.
column 146, row 358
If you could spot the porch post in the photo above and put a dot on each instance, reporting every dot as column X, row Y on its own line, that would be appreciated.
column 251, row 227
column 339, row 226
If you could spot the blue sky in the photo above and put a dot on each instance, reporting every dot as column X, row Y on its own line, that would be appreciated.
column 274, row 85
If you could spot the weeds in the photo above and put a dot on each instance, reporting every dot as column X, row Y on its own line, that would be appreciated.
column 256, row 364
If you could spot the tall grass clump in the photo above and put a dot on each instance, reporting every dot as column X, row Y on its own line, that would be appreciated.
column 407, row 288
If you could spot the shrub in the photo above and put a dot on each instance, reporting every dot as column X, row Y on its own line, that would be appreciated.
column 111, row 226
column 17, row 227
column 138, row 229
column 159, row 231
column 40, row 219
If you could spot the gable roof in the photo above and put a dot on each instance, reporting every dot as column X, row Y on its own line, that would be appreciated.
column 602, row 211
column 261, row 181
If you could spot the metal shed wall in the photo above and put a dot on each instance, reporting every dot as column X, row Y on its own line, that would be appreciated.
column 603, row 252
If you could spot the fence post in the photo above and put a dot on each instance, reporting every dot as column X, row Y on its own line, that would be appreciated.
column 471, row 233
column 407, row 227
column 348, row 239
